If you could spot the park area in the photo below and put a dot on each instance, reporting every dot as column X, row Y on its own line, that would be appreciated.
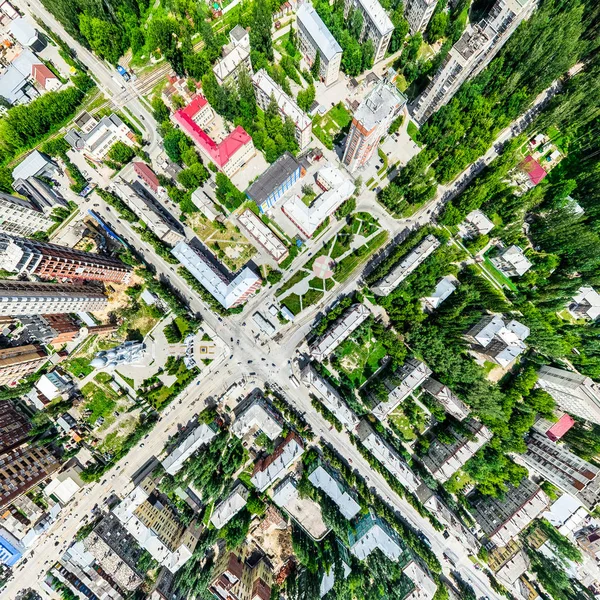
column 328, row 126
column 334, row 263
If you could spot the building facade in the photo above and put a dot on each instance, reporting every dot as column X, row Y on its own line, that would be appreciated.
column 471, row 54
column 314, row 38
column 46, row 198
column 34, row 298
column 418, row 14
column 555, row 463
column 574, row 393
column 371, row 122
column 240, row 577
column 377, row 26
column 14, row 426
column 20, row 217
column 51, row 261
column 22, row 468
column 16, row 363
column 236, row 57
column 265, row 89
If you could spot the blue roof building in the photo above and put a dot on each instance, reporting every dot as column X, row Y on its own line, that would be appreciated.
column 10, row 549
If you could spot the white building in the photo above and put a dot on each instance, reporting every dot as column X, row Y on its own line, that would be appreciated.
column 452, row 404
column 21, row 217
column 257, row 416
column 313, row 38
column 475, row 223
column 444, row 288
column 340, row 331
column 65, row 484
column 472, row 53
column 418, row 14
column 199, row 436
column 404, row 382
column 416, row 257
column 372, row 120
column 512, row 262
column 265, row 237
column 265, row 88
column 336, row 490
column 236, row 57
column 573, row 392
column 377, row 26
column 230, row 507
column 387, row 456
column 372, row 532
column 268, row 470
column 207, row 207
column 338, row 188
column 53, row 385
column 101, row 138
column 149, row 213
column 500, row 342
column 35, row 164
column 227, row 293
column 586, row 304
column 330, row 398
column 425, row 586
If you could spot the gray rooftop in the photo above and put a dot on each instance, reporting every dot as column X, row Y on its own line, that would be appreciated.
column 383, row 99
column 321, row 36
column 272, row 178
column 238, row 33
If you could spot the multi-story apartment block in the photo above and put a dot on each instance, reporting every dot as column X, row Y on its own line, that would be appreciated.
column 443, row 459
column 555, row 463
column 371, row 121
column 585, row 304
column 268, row 470
column 370, row 533
column 14, row 426
column 51, row 329
column 418, row 13
column 264, row 236
column 256, row 415
column 377, row 26
column 43, row 196
column 33, row 298
column 240, row 577
column 51, row 261
column 314, row 38
column 265, row 89
column 501, row 519
column 512, row 262
column 236, row 57
column 16, row 363
column 99, row 140
column 228, row 508
column 406, row 380
column 451, row 402
column 386, row 285
column 231, row 153
column 330, row 482
column 21, row 217
column 227, row 293
column 200, row 436
column 340, row 331
column 471, row 54
column 574, row 393
column 22, row 468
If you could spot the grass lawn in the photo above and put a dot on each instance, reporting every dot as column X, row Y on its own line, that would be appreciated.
column 557, row 138
column 128, row 380
column 382, row 155
column 293, row 303
column 499, row 277
column 326, row 127
column 297, row 277
column 401, row 83
column 162, row 395
column 115, row 440
column 79, row 367
column 99, row 401
column 358, row 361
column 346, row 267
column 403, row 424
column 413, row 132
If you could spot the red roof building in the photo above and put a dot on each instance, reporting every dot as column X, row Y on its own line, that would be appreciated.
column 533, row 169
column 560, row 427
column 230, row 154
column 45, row 77
column 147, row 175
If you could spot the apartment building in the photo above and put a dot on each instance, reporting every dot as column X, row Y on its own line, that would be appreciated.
column 228, row 293
column 418, row 13
column 512, row 262
column 371, row 532
column 246, row 576
column 14, row 426
column 51, row 261
column 265, row 89
column 256, row 415
column 33, row 298
column 22, row 468
column 451, row 402
column 100, row 139
column 314, row 38
column 43, row 196
column 333, row 486
column 475, row 224
column 21, row 217
column 555, row 463
column 443, row 459
column 574, row 393
column 471, row 54
column 501, row 519
column 339, row 331
column 230, row 154
column 386, row 285
column 264, row 236
column 372, row 120
column 377, row 26
column 52, row 329
column 18, row 362
column 585, row 304
column 268, row 470
column 406, row 380
column 200, row 436
column 236, row 57
column 231, row 506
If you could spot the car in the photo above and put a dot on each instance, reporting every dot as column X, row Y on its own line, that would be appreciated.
column 249, row 362
column 142, row 445
column 231, row 357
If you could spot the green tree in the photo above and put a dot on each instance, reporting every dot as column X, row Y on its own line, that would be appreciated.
column 103, row 37
column 260, row 33
column 306, row 97
column 121, row 153
column 315, row 68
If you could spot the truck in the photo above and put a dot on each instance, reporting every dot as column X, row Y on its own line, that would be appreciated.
column 123, row 73
column 451, row 557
